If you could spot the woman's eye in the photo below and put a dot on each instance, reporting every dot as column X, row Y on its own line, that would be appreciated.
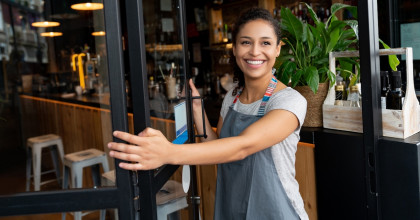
column 245, row 42
column 266, row 43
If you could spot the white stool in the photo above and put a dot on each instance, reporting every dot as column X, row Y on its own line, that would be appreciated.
column 76, row 162
column 34, row 154
column 169, row 199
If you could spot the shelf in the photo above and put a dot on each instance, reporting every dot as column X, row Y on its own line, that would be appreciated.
column 163, row 48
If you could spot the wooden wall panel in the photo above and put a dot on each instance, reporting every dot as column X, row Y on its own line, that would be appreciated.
column 305, row 175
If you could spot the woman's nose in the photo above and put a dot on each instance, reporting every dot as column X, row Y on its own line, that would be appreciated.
column 255, row 50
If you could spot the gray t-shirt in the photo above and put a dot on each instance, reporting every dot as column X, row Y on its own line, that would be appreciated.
column 284, row 152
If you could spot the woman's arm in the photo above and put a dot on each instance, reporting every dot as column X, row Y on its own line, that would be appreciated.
column 151, row 149
column 198, row 118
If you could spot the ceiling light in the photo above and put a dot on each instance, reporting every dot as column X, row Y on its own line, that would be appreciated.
column 45, row 24
column 51, row 34
column 87, row 6
column 98, row 33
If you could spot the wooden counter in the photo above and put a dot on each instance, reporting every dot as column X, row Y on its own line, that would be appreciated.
column 83, row 126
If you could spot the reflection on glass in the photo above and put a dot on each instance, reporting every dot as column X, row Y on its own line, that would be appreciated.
column 164, row 55
column 166, row 75
column 54, row 97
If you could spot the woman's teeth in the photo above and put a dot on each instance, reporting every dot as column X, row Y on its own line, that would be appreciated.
column 254, row 62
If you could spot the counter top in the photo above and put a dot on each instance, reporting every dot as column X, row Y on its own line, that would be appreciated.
column 94, row 100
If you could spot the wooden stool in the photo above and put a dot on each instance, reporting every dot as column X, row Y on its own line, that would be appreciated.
column 169, row 199
column 34, row 154
column 74, row 164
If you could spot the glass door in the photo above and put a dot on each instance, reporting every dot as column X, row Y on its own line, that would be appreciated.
column 62, row 93
column 158, row 73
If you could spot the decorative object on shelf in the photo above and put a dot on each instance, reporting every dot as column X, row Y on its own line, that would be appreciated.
column 395, row 123
column 304, row 57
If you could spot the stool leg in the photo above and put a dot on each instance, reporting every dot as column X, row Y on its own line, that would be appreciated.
column 54, row 156
column 60, row 149
column 102, row 214
column 65, row 185
column 77, row 181
column 77, row 177
column 36, row 156
column 105, row 166
column 65, row 177
column 96, row 177
column 28, row 167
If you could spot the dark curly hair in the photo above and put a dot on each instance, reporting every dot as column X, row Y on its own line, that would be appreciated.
column 251, row 14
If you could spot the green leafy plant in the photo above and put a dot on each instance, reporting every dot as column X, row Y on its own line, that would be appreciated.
column 305, row 55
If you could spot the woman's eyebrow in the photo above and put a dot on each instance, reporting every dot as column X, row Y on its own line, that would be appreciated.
column 247, row 37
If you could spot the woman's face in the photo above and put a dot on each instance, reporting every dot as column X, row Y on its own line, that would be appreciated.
column 256, row 48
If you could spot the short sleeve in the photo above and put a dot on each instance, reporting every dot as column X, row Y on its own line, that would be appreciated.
column 290, row 100
column 227, row 101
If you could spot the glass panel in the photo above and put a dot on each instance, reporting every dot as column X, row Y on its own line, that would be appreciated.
column 166, row 74
column 87, row 215
column 54, row 80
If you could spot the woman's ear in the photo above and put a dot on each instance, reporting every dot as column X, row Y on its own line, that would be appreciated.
column 278, row 49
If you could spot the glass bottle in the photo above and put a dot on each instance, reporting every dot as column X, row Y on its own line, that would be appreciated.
column 384, row 88
column 339, row 90
column 395, row 97
column 354, row 97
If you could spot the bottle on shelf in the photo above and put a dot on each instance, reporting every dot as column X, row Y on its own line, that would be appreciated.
column 395, row 97
column 354, row 97
column 339, row 90
column 340, row 81
column 384, row 88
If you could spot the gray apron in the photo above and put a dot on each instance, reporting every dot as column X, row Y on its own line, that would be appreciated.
column 249, row 188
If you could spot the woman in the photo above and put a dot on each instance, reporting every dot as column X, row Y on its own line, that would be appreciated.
column 256, row 138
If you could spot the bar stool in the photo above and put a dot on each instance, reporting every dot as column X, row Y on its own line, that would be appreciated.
column 34, row 154
column 74, row 164
column 169, row 199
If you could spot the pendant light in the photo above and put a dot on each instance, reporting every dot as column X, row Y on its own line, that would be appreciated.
column 98, row 33
column 88, row 6
column 45, row 24
column 51, row 34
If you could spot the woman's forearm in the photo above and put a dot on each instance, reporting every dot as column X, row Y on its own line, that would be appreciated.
column 211, row 152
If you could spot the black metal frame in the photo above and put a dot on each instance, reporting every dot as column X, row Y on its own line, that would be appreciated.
column 89, row 199
column 371, row 111
column 149, row 182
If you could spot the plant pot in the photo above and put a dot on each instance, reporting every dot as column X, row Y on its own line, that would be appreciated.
column 313, row 116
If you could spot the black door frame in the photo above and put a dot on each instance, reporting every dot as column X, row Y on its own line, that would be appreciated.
column 121, row 196
column 371, row 111
column 149, row 182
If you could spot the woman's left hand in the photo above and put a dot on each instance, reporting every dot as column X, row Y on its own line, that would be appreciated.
column 149, row 150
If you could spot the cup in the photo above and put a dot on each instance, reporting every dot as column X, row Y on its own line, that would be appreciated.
column 170, row 87
column 78, row 90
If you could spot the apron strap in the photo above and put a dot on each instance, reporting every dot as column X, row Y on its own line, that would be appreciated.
column 267, row 95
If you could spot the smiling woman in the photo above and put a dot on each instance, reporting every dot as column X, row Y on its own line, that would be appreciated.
column 256, row 164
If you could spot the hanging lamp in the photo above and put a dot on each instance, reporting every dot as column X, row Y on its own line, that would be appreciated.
column 51, row 34
column 88, row 6
column 45, row 24
column 98, row 33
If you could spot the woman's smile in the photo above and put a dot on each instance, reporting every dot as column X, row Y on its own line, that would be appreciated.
column 256, row 63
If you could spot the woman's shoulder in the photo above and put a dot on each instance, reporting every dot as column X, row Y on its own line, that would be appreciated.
column 290, row 94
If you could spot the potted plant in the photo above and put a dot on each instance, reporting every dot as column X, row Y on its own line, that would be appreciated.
column 304, row 61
